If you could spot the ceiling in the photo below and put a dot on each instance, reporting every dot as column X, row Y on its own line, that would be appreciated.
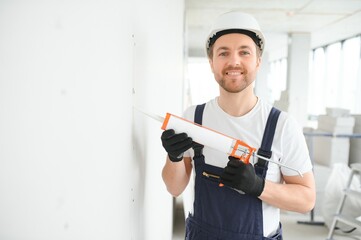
column 274, row 16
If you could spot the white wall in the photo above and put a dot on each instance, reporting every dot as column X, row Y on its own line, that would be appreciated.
column 158, row 88
column 75, row 161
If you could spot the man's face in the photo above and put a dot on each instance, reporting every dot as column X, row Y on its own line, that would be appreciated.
column 234, row 62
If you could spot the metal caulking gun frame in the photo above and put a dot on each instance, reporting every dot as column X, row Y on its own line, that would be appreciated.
column 211, row 138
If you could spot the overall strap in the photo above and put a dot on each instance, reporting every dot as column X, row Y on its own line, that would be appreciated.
column 267, row 140
column 198, row 117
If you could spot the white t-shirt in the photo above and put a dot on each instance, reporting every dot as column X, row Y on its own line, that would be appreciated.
column 289, row 146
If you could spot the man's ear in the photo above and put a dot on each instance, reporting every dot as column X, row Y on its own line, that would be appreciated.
column 259, row 61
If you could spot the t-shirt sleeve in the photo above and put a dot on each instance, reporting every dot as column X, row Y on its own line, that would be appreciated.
column 294, row 148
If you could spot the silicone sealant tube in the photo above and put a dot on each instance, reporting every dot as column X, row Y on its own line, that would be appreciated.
column 209, row 137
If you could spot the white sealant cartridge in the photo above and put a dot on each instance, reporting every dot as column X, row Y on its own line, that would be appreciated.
column 212, row 138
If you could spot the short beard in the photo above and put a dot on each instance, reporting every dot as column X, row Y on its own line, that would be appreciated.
column 246, row 82
column 239, row 89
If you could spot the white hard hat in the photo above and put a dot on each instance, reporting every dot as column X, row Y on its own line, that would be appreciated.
column 236, row 22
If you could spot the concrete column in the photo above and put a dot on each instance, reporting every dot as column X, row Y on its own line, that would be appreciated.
column 261, row 86
column 298, row 74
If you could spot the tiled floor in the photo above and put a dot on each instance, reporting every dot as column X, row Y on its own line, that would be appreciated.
column 292, row 230
column 296, row 231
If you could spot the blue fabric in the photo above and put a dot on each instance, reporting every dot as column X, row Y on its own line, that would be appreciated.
column 221, row 212
column 201, row 231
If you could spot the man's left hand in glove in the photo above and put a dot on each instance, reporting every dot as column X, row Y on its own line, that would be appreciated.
column 243, row 177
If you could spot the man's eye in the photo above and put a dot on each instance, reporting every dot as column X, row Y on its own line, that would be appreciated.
column 245, row 53
column 223, row 54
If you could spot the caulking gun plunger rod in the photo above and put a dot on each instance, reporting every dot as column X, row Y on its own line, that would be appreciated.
column 211, row 138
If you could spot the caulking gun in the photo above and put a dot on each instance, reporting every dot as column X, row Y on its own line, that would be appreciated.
column 211, row 138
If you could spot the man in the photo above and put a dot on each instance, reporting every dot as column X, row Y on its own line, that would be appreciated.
column 248, row 206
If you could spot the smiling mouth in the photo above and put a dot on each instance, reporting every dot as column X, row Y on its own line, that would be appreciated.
column 234, row 73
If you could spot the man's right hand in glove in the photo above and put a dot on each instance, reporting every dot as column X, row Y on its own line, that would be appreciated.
column 176, row 144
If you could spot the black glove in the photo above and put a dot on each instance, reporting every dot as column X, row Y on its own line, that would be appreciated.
column 242, row 176
column 176, row 144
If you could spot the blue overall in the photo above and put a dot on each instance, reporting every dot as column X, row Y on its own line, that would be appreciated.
column 221, row 212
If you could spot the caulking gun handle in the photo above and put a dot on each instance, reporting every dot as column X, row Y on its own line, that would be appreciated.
column 241, row 158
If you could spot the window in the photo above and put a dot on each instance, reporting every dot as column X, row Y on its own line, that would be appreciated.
column 335, row 77
column 202, row 86
column 277, row 79
column 351, row 75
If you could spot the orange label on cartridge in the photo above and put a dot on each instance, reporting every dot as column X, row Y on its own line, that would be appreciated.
column 166, row 120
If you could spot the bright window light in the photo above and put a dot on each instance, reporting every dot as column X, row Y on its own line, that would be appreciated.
column 277, row 78
column 335, row 77
column 202, row 85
